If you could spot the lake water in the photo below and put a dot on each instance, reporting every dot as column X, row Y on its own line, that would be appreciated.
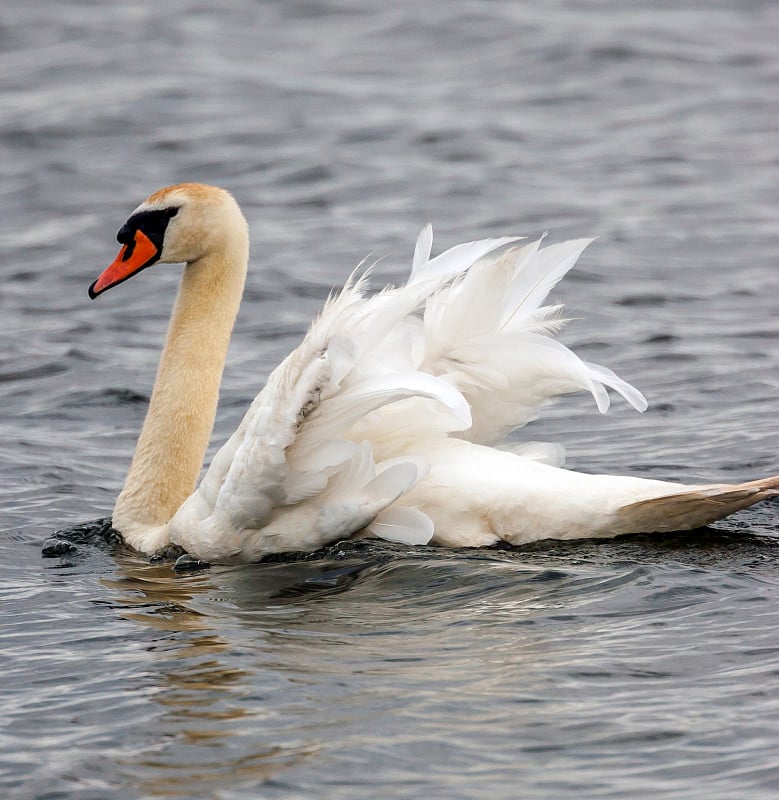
column 641, row 667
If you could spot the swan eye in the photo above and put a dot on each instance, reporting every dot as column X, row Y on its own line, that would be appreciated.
column 125, row 235
column 152, row 223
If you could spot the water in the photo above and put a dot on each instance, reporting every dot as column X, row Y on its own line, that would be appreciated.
column 643, row 667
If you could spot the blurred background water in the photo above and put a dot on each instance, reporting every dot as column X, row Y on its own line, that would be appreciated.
column 643, row 667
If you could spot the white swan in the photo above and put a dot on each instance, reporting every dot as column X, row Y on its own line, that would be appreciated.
column 384, row 419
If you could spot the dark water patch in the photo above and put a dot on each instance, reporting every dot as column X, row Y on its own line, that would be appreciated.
column 19, row 372
column 661, row 338
column 308, row 175
column 368, row 135
column 614, row 52
column 111, row 397
column 643, row 300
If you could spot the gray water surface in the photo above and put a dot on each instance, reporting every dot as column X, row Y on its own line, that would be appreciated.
column 641, row 667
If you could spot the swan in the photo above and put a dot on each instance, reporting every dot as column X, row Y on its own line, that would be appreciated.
column 387, row 419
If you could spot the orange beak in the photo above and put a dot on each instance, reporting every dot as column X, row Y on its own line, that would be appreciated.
column 141, row 253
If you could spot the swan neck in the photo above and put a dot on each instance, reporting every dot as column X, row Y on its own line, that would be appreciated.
column 180, row 418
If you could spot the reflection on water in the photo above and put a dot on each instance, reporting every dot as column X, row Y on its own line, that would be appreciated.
column 204, row 702
column 269, row 674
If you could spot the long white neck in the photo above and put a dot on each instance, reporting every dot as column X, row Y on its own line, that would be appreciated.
column 178, row 425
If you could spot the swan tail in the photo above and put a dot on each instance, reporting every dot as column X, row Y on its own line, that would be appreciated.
column 488, row 334
column 694, row 507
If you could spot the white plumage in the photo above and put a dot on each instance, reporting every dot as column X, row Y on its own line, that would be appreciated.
column 383, row 419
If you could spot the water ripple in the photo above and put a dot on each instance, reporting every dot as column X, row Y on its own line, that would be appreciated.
column 642, row 667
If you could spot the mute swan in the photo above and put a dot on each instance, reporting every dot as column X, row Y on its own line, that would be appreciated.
column 384, row 419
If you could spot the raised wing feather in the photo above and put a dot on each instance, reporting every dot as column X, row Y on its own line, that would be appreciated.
column 488, row 334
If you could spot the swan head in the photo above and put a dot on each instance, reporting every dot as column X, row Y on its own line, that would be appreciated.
column 180, row 223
